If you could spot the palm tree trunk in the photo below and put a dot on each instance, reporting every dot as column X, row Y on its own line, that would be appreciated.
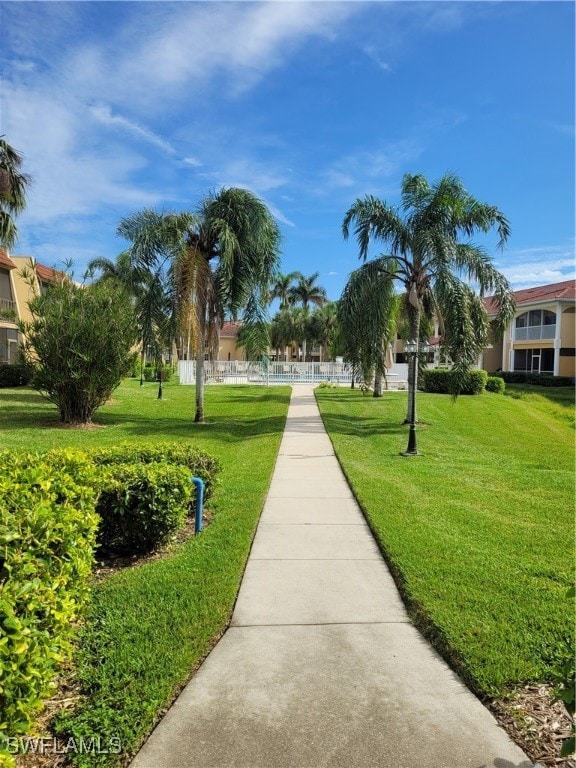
column 377, row 385
column 413, row 370
column 199, row 417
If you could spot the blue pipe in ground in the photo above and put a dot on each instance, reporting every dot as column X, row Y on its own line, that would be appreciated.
column 199, row 485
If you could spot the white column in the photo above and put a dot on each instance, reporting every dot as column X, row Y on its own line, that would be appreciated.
column 557, row 336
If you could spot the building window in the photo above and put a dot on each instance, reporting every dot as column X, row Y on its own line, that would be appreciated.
column 534, row 360
column 8, row 345
column 535, row 324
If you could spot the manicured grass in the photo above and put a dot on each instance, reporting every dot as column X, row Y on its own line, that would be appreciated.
column 478, row 529
column 150, row 625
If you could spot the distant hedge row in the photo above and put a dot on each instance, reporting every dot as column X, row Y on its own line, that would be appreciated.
column 541, row 379
column 56, row 510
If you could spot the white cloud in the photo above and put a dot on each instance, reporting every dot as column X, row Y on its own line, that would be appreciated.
column 103, row 114
column 539, row 266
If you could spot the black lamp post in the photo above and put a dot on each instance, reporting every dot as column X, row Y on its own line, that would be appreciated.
column 412, row 349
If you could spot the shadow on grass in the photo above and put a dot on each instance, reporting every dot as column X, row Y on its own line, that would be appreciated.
column 22, row 397
column 226, row 428
column 361, row 427
column 565, row 396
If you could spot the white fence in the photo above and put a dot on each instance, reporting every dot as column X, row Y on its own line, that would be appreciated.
column 241, row 372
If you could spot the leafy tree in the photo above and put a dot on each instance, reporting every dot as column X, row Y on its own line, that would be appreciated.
column 13, row 185
column 433, row 266
column 79, row 344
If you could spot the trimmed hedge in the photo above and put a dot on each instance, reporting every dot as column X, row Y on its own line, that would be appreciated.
column 14, row 375
column 141, row 506
column 197, row 462
column 55, row 508
column 541, row 379
column 47, row 535
column 439, row 381
column 496, row 384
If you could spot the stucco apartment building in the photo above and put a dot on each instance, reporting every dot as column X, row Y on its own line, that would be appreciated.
column 21, row 277
column 542, row 336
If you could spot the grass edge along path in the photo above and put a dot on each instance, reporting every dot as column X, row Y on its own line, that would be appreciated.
column 149, row 627
column 476, row 531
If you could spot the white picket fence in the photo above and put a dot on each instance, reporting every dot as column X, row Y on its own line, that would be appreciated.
column 241, row 372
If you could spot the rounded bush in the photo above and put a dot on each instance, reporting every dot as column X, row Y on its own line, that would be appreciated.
column 495, row 384
column 141, row 506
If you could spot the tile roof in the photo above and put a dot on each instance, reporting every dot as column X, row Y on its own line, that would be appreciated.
column 552, row 292
column 46, row 273
column 5, row 260
column 230, row 330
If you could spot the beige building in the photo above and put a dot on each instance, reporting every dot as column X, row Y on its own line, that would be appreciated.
column 21, row 278
column 541, row 337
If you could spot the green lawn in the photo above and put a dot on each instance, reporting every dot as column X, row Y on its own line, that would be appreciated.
column 479, row 528
column 149, row 626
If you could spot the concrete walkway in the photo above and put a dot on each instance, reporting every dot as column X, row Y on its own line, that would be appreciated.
column 321, row 665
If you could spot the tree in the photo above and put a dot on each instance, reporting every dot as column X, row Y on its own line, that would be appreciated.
column 282, row 288
column 222, row 259
column 79, row 344
column 13, row 185
column 367, row 315
column 324, row 326
column 146, row 281
column 432, row 265
column 305, row 293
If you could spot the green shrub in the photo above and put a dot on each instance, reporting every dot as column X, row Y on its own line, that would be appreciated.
column 79, row 344
column 13, row 375
column 495, row 384
column 47, row 537
column 439, row 381
column 197, row 462
column 151, row 372
column 541, row 379
column 142, row 505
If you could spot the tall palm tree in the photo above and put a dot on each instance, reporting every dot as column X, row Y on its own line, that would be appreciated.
column 229, row 256
column 282, row 288
column 13, row 186
column 307, row 292
column 433, row 266
column 367, row 315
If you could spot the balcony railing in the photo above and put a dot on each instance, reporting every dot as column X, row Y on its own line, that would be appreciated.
column 7, row 304
column 535, row 333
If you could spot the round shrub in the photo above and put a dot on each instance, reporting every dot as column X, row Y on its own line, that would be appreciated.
column 495, row 384
column 141, row 506
column 439, row 381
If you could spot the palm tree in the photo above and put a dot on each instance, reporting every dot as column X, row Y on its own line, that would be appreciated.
column 143, row 270
column 13, row 185
column 367, row 315
column 324, row 326
column 282, row 288
column 432, row 265
column 307, row 292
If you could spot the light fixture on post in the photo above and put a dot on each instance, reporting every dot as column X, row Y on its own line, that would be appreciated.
column 412, row 349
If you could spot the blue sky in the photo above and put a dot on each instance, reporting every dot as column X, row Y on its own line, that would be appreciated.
column 121, row 106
